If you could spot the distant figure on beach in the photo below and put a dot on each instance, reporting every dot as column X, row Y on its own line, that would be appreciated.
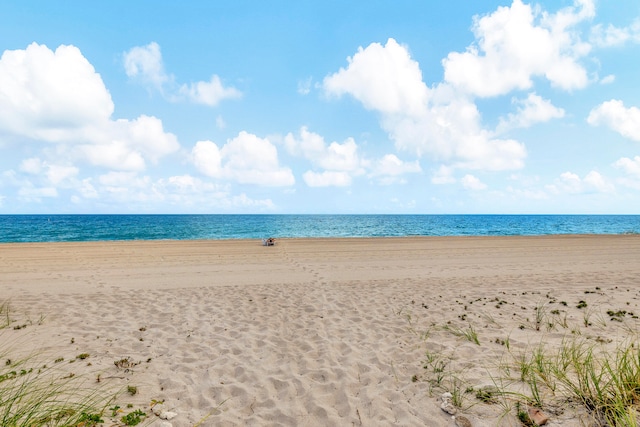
column 269, row 242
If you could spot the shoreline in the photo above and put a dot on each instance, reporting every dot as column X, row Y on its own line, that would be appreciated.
column 319, row 331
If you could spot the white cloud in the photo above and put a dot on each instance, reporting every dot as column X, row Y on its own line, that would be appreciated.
column 594, row 181
column 209, row 93
column 615, row 36
column 339, row 160
column 246, row 159
column 51, row 95
column 57, row 97
column 571, row 183
column 391, row 165
column 390, row 169
column 444, row 175
column 470, row 182
column 125, row 144
column 32, row 165
column 517, row 43
column 439, row 122
column 608, row 79
column 56, row 175
column 531, row 110
column 613, row 114
column 630, row 166
column 113, row 155
column 87, row 190
column 304, row 86
column 383, row 78
column 207, row 159
column 145, row 63
column 327, row 179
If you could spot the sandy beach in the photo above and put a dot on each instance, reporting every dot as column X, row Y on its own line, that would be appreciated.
column 320, row 332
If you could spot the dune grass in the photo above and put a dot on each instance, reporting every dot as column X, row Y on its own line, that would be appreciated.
column 41, row 396
column 34, row 395
column 593, row 374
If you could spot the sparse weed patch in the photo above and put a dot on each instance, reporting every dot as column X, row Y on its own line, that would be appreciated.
column 133, row 418
column 470, row 334
column 31, row 396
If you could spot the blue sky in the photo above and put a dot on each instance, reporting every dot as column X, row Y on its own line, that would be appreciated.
column 320, row 107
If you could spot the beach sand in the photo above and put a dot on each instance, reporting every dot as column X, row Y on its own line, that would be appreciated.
column 317, row 332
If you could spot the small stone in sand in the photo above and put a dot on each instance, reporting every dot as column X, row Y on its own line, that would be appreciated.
column 538, row 417
column 462, row 421
column 168, row 415
column 446, row 405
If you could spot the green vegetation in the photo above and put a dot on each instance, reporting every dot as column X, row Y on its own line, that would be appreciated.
column 46, row 397
column 133, row 418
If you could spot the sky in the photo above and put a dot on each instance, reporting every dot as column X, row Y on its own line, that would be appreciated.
column 398, row 107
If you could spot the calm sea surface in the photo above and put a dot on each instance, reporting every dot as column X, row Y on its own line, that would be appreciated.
column 59, row 228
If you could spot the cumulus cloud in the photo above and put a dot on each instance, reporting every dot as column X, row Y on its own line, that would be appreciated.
column 614, row 115
column 629, row 166
column 247, row 159
column 443, row 175
column 534, row 109
column 572, row 183
column 58, row 97
column 470, row 182
column 340, row 161
column 515, row 44
column 145, row 64
column 383, row 78
column 209, row 93
column 51, row 95
column 53, row 174
column 437, row 122
column 611, row 35
column 390, row 169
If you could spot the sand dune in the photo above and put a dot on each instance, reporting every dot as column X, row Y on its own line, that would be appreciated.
column 317, row 332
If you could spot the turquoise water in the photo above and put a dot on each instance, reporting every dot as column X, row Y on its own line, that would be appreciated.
column 58, row 228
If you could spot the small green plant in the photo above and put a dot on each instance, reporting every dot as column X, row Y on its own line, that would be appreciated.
column 470, row 333
column 132, row 390
column 523, row 416
column 540, row 312
column 44, row 397
column 133, row 418
column 581, row 304
column 617, row 315
column 486, row 396
column 90, row 419
column 82, row 356
column 125, row 363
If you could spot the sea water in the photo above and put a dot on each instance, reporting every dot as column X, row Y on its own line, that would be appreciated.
column 59, row 228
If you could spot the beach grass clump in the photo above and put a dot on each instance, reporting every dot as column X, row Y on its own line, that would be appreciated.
column 606, row 382
column 31, row 395
column 470, row 333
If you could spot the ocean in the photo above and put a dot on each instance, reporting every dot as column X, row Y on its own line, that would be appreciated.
column 75, row 228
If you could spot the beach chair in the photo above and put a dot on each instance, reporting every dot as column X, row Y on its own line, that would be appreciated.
column 269, row 242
